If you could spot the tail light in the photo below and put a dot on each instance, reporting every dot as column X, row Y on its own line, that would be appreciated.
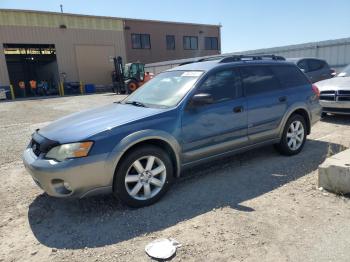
column 316, row 90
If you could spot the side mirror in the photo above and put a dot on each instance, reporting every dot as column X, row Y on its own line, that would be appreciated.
column 202, row 99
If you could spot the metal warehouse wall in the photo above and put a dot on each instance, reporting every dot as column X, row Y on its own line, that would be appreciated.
column 37, row 28
column 336, row 52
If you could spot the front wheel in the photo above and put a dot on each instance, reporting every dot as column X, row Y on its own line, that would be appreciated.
column 143, row 177
column 132, row 85
column 293, row 137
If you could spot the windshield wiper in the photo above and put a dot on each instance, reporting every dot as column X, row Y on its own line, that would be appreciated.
column 135, row 103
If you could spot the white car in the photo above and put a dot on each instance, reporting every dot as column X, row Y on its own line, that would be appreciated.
column 335, row 93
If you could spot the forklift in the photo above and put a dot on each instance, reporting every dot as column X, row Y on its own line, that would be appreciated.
column 126, row 79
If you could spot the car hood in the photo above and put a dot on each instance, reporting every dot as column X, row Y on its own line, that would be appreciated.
column 336, row 83
column 82, row 125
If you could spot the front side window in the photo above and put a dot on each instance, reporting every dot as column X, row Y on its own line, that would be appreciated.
column 211, row 43
column 190, row 42
column 170, row 42
column 166, row 89
column 258, row 79
column 222, row 86
column 141, row 41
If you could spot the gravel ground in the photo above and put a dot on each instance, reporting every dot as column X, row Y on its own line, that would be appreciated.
column 256, row 206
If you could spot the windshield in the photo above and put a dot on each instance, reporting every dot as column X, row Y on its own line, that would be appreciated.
column 345, row 72
column 126, row 70
column 165, row 90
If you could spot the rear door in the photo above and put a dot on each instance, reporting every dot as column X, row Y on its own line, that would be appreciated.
column 218, row 127
column 266, row 102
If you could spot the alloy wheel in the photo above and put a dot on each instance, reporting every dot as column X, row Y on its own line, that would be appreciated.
column 145, row 177
column 295, row 135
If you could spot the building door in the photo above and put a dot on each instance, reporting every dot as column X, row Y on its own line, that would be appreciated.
column 95, row 63
column 32, row 63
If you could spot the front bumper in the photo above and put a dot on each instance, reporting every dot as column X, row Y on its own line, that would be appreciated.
column 336, row 107
column 78, row 177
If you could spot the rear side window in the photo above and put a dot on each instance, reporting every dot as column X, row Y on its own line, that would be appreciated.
column 303, row 65
column 259, row 79
column 315, row 65
column 289, row 76
column 223, row 85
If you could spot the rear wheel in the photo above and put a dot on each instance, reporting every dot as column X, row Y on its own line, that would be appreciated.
column 143, row 177
column 294, row 136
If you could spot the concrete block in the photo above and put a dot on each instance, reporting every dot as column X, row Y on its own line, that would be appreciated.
column 334, row 173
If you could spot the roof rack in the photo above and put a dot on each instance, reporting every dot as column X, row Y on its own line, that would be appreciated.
column 235, row 58
column 211, row 58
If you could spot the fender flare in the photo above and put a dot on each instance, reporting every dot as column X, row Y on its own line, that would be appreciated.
column 291, row 110
column 129, row 141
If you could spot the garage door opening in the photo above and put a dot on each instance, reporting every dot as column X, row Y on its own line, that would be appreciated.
column 32, row 69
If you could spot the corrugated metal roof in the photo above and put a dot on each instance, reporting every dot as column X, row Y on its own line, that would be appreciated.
column 98, row 17
column 41, row 19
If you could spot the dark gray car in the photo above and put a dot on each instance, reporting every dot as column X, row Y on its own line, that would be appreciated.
column 316, row 69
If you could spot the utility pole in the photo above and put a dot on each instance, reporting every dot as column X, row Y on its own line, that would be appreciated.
column 61, row 8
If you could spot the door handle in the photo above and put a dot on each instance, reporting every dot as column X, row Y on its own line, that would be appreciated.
column 282, row 99
column 238, row 109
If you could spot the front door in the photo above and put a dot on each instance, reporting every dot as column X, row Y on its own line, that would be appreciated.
column 218, row 127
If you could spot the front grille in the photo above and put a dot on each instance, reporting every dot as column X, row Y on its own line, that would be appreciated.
column 343, row 98
column 35, row 147
column 41, row 145
column 327, row 95
column 329, row 92
column 341, row 95
column 344, row 92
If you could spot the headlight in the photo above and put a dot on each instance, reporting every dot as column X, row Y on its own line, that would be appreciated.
column 72, row 150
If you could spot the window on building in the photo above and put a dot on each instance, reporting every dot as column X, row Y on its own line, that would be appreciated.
column 223, row 85
column 259, row 79
column 190, row 42
column 170, row 42
column 211, row 43
column 141, row 41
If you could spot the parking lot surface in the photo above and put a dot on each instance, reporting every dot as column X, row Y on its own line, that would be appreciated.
column 256, row 206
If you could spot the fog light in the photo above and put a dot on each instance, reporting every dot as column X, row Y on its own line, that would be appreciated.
column 67, row 186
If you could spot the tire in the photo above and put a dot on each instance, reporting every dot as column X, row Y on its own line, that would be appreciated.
column 132, row 86
column 137, row 189
column 285, row 146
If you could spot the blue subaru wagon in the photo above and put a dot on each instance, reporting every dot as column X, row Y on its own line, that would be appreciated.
column 183, row 117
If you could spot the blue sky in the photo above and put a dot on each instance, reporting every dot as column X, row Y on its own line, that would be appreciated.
column 246, row 24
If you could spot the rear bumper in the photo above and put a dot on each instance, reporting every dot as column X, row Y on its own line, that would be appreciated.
column 315, row 112
column 84, row 176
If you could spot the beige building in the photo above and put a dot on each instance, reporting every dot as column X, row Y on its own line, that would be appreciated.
column 52, row 47
column 155, row 41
